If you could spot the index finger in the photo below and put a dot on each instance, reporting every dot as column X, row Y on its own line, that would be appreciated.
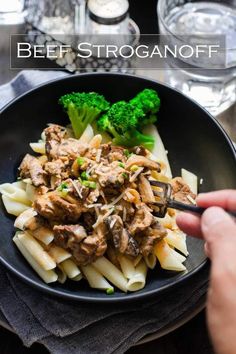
column 225, row 199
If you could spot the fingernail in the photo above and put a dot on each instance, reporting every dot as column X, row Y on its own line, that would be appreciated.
column 213, row 216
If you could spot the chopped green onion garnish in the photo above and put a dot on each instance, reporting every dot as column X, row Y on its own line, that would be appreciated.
column 110, row 291
column 134, row 168
column 80, row 161
column 89, row 184
column 125, row 175
column 84, row 175
column 121, row 164
column 62, row 186
column 127, row 153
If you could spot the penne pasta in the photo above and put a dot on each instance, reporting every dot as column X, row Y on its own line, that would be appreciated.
column 96, row 141
column 87, row 135
column 36, row 251
column 95, row 279
column 168, row 222
column 178, row 240
column 138, row 281
column 58, row 254
column 48, row 276
column 150, row 260
column 22, row 219
column 137, row 260
column 43, row 234
column 127, row 266
column 13, row 207
column 70, row 268
column 30, row 191
column 61, row 274
column 38, row 147
column 112, row 273
column 19, row 184
column 159, row 150
column 167, row 257
column 11, row 191
column 191, row 179
column 78, row 277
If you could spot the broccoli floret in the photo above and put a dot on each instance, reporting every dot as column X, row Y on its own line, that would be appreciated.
column 83, row 108
column 147, row 102
column 120, row 122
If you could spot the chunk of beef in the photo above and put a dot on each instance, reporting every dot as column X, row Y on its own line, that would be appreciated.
column 71, row 148
column 117, row 154
column 122, row 240
column 139, row 150
column 142, row 219
column 85, row 249
column 180, row 190
column 53, row 207
column 111, row 176
column 58, row 145
column 66, row 235
column 88, row 219
column 150, row 237
column 55, row 132
column 31, row 167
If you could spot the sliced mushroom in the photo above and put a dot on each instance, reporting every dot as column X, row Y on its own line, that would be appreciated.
column 142, row 161
column 145, row 190
column 122, row 240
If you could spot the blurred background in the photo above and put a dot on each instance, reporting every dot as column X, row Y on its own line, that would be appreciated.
column 46, row 21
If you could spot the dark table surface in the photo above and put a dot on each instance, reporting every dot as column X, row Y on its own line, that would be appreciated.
column 192, row 337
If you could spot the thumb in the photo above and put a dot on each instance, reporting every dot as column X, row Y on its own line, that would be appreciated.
column 219, row 231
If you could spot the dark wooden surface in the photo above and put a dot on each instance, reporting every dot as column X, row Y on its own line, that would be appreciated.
column 192, row 337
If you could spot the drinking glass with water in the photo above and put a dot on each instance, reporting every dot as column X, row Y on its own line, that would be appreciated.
column 215, row 89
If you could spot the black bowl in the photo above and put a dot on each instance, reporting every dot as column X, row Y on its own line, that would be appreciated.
column 192, row 137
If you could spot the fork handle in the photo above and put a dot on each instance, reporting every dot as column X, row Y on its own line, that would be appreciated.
column 192, row 208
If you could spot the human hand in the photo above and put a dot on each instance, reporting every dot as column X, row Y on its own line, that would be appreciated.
column 218, row 229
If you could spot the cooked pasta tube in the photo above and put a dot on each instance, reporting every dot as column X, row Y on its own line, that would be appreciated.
column 58, row 253
column 127, row 266
column 113, row 274
column 179, row 256
column 38, row 147
column 150, row 260
column 70, row 268
column 30, row 192
column 48, row 276
column 87, row 135
column 61, row 274
column 43, row 234
column 137, row 260
column 167, row 257
column 19, row 184
column 36, row 251
column 22, row 219
column 13, row 207
column 190, row 179
column 168, row 222
column 15, row 193
column 177, row 240
column 95, row 279
column 138, row 281
column 78, row 277
column 96, row 141
column 159, row 150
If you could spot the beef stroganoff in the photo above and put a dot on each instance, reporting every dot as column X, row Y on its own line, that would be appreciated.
column 83, row 208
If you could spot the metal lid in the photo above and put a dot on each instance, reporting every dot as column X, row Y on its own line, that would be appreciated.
column 108, row 11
